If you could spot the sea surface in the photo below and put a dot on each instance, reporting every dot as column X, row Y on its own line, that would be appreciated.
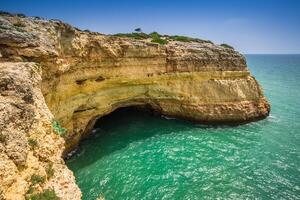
column 135, row 155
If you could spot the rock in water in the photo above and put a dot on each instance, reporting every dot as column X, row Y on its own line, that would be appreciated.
column 51, row 70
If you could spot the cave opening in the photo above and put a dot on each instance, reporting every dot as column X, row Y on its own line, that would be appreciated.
column 122, row 112
column 109, row 127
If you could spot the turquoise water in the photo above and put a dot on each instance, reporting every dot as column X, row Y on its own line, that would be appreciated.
column 133, row 155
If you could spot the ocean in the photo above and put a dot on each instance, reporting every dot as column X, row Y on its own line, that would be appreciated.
column 135, row 155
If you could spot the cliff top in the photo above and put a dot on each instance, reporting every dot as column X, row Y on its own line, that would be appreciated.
column 19, row 23
column 154, row 37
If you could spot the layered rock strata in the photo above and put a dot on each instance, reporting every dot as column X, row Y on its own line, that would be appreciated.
column 50, row 70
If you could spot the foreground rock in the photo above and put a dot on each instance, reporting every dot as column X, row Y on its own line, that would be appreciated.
column 50, row 71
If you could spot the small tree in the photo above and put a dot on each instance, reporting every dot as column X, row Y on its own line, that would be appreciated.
column 138, row 30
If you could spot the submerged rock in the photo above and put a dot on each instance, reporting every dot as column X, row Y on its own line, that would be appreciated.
column 50, row 70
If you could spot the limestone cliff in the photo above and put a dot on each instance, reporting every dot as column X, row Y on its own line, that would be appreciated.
column 50, row 70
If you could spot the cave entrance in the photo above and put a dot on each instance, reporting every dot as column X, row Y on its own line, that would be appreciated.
column 141, row 108
column 121, row 115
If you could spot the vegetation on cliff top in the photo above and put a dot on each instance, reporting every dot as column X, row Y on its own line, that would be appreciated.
column 158, row 38
column 164, row 39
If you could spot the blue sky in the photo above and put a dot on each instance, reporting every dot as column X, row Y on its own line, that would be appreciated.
column 251, row 26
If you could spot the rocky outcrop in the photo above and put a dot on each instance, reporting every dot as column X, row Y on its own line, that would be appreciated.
column 50, row 70
column 28, row 145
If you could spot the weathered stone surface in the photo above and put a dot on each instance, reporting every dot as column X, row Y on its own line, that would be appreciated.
column 24, row 116
column 49, row 69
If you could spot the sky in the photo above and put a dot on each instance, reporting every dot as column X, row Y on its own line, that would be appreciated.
column 251, row 26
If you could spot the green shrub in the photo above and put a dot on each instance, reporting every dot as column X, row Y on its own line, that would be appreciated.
column 57, row 128
column 30, row 190
column 3, row 137
column 156, row 38
column 37, row 179
column 159, row 41
column 226, row 46
column 48, row 194
column 49, row 170
column 154, row 35
column 21, row 15
column 181, row 38
column 32, row 143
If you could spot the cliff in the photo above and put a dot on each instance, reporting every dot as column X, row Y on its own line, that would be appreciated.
column 51, row 72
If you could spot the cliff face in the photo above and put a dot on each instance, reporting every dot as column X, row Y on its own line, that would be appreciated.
column 76, row 77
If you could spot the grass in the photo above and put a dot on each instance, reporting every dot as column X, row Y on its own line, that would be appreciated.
column 57, row 128
column 37, row 179
column 32, row 143
column 226, row 46
column 48, row 194
column 49, row 170
column 181, row 38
